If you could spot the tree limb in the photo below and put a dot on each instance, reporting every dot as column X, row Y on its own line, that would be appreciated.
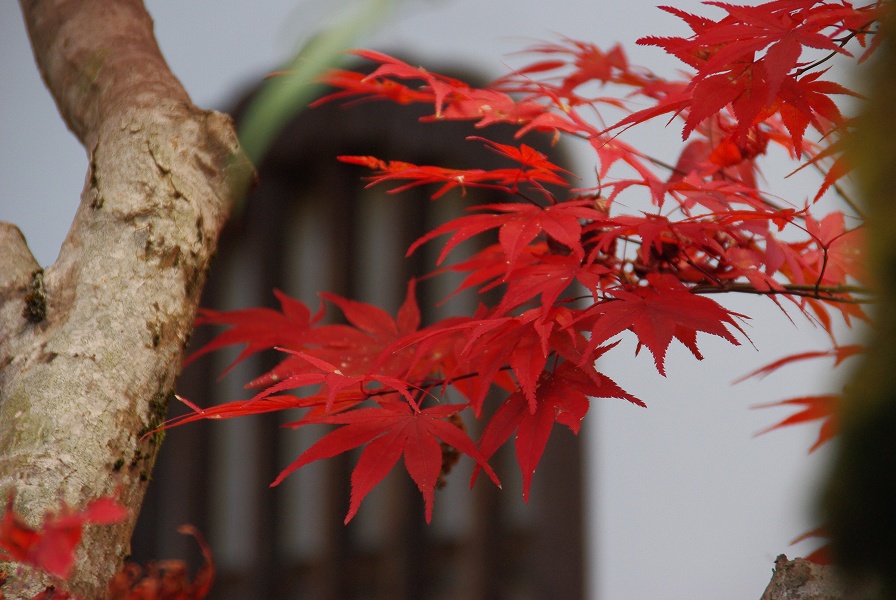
column 85, row 379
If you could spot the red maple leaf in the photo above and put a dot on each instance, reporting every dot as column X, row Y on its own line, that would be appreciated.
column 519, row 224
column 562, row 397
column 515, row 342
column 392, row 430
column 588, row 62
column 838, row 255
column 808, row 100
column 549, row 278
column 522, row 344
column 490, row 107
column 748, row 59
column 358, row 352
column 445, row 348
column 335, row 381
column 658, row 313
column 360, row 84
column 438, row 87
column 52, row 547
column 534, row 169
column 839, row 354
column 839, row 168
column 815, row 408
column 258, row 328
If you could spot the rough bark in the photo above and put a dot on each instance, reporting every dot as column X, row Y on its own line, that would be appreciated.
column 800, row 579
column 90, row 347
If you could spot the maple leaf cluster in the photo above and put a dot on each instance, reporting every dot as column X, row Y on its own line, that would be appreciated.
column 576, row 268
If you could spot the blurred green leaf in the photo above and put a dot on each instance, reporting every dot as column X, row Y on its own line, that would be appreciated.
column 281, row 97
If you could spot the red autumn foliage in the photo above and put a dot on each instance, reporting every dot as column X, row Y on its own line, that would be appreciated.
column 391, row 431
column 52, row 547
column 578, row 268
column 165, row 580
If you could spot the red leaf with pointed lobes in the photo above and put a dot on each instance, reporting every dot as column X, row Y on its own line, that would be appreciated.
column 807, row 101
column 490, row 107
column 524, row 343
column 356, row 349
column 258, row 328
column 527, row 360
column 360, row 84
column 508, row 179
column 839, row 169
column 587, row 62
column 712, row 94
column 531, row 161
column 725, row 53
column 441, row 356
column 375, row 320
column 492, row 343
column 335, row 381
column 549, row 277
column 391, row 430
column 52, row 547
column 821, row 408
column 535, row 170
column 439, row 85
column 839, row 255
column 562, row 397
column 452, row 98
column 677, row 101
column 488, row 267
column 839, row 354
column 658, row 313
column 366, row 317
column 408, row 318
column 518, row 225
column 422, row 175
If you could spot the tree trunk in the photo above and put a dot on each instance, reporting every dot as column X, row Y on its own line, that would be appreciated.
column 91, row 346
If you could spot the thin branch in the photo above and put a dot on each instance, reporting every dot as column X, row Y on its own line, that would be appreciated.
column 825, row 293
column 842, row 42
